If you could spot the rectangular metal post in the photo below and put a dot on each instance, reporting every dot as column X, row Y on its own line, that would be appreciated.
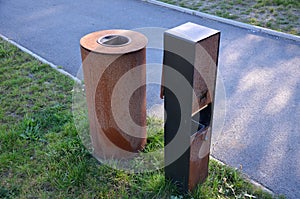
column 189, row 77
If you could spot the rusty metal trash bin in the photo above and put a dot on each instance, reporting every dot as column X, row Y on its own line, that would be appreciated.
column 114, row 69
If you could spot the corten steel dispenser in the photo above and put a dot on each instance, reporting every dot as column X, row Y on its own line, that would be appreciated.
column 114, row 71
column 189, row 79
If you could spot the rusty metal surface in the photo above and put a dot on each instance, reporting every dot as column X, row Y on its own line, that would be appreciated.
column 103, row 68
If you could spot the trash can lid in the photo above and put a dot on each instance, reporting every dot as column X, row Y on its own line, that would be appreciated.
column 114, row 41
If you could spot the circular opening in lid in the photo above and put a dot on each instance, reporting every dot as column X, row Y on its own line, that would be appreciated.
column 114, row 40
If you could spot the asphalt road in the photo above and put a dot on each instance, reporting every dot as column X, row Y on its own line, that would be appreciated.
column 260, row 73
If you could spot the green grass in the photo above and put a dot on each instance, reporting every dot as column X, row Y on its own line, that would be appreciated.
column 267, row 12
column 42, row 155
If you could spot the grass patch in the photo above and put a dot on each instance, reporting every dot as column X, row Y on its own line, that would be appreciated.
column 42, row 155
column 266, row 12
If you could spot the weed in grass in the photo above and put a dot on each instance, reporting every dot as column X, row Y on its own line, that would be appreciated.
column 30, row 129
column 253, row 21
column 269, row 24
column 155, row 135
column 169, row 1
column 8, row 193
column 294, row 31
column 49, row 119
column 182, row 4
column 292, row 17
column 205, row 9
column 271, row 10
column 198, row 4
column 262, row 11
column 213, row 6
column 226, row 15
column 239, row 2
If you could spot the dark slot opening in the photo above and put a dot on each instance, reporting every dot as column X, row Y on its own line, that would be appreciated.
column 201, row 119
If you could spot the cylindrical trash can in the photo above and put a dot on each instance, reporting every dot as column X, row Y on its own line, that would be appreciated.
column 114, row 68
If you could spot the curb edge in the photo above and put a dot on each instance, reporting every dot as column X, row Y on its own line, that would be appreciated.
column 246, row 177
column 43, row 60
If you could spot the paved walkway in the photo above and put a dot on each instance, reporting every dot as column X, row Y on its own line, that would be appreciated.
column 261, row 75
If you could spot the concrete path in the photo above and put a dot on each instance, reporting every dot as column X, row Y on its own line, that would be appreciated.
column 260, row 73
